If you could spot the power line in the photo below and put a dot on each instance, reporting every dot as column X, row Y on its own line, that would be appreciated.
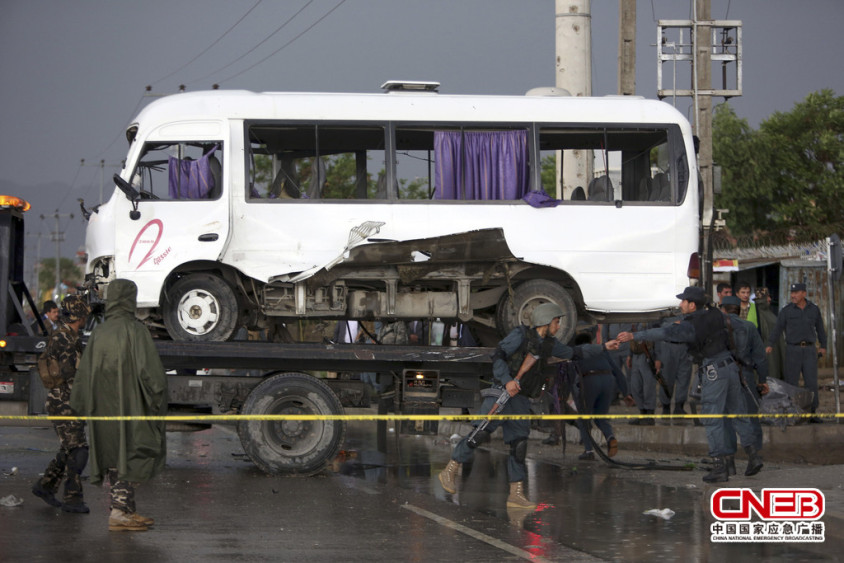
column 267, row 38
column 208, row 48
column 288, row 43
column 121, row 132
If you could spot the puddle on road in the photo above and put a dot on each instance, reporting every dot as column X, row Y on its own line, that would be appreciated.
column 584, row 506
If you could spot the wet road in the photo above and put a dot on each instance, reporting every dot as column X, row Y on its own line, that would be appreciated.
column 213, row 504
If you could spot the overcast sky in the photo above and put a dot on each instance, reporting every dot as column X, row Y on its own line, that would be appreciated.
column 73, row 73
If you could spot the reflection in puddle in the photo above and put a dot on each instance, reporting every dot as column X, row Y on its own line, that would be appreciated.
column 589, row 508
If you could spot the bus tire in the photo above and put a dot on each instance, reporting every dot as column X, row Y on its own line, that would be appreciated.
column 291, row 446
column 201, row 307
column 516, row 310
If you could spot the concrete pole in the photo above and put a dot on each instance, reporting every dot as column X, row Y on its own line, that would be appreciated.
column 574, row 73
column 627, row 47
column 702, row 77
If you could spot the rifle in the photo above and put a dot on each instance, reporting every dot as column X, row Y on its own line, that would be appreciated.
column 657, row 375
column 746, row 386
column 736, row 357
column 529, row 361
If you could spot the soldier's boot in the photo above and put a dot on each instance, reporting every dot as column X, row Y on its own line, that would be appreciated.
column 648, row 421
column 142, row 519
column 730, row 460
column 119, row 521
column 447, row 476
column 638, row 421
column 718, row 473
column 48, row 496
column 46, row 487
column 73, row 499
column 754, row 461
column 517, row 498
column 679, row 408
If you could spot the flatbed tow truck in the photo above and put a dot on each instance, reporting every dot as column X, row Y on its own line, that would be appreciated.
column 251, row 378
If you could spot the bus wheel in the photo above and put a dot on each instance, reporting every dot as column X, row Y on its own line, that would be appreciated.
column 201, row 307
column 291, row 446
column 514, row 311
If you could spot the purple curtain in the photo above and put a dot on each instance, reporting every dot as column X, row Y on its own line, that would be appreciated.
column 190, row 179
column 490, row 165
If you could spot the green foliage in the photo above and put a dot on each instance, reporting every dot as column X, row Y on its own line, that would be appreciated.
column 70, row 274
column 548, row 173
column 787, row 177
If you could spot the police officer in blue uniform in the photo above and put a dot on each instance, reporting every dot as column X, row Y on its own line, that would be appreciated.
column 749, row 352
column 676, row 370
column 704, row 331
column 805, row 340
column 538, row 341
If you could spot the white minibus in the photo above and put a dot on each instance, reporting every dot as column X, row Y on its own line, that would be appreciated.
column 238, row 209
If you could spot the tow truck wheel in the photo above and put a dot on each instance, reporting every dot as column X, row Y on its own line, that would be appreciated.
column 291, row 446
column 201, row 307
column 516, row 311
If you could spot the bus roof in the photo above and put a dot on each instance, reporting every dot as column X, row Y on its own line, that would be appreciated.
column 404, row 107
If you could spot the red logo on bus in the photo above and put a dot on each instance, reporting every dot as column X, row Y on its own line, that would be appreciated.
column 773, row 504
column 151, row 242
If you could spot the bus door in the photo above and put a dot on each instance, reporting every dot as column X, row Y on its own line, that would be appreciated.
column 184, row 215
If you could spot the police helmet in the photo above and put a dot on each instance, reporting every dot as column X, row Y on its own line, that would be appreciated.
column 544, row 314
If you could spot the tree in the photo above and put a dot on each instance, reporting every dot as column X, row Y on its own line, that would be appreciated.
column 70, row 274
column 786, row 178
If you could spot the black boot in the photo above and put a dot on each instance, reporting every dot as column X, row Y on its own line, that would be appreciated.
column 678, row 408
column 648, row 421
column 638, row 421
column 754, row 461
column 666, row 409
column 730, row 460
column 718, row 473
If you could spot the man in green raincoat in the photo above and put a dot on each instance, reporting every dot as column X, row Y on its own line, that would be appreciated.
column 120, row 374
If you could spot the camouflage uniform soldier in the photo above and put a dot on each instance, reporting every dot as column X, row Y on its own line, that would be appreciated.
column 63, row 351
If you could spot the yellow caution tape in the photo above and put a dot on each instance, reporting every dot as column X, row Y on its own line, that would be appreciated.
column 411, row 417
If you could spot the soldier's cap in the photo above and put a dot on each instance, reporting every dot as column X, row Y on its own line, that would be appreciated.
column 544, row 314
column 74, row 307
column 731, row 300
column 798, row 287
column 692, row 293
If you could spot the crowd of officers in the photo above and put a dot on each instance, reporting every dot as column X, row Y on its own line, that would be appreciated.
column 729, row 342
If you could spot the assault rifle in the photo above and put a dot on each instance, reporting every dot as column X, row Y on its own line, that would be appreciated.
column 472, row 441
column 657, row 374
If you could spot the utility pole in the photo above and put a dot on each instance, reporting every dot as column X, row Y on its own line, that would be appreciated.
column 701, row 53
column 58, row 236
column 574, row 74
column 627, row 47
column 702, row 77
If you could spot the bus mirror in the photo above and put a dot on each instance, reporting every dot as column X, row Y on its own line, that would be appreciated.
column 131, row 193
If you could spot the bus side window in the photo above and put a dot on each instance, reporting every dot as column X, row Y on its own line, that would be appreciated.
column 314, row 162
column 631, row 165
column 440, row 163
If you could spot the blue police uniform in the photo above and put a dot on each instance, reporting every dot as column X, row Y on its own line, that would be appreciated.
column 803, row 331
column 676, row 370
column 512, row 350
column 600, row 376
column 705, row 333
column 750, row 353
